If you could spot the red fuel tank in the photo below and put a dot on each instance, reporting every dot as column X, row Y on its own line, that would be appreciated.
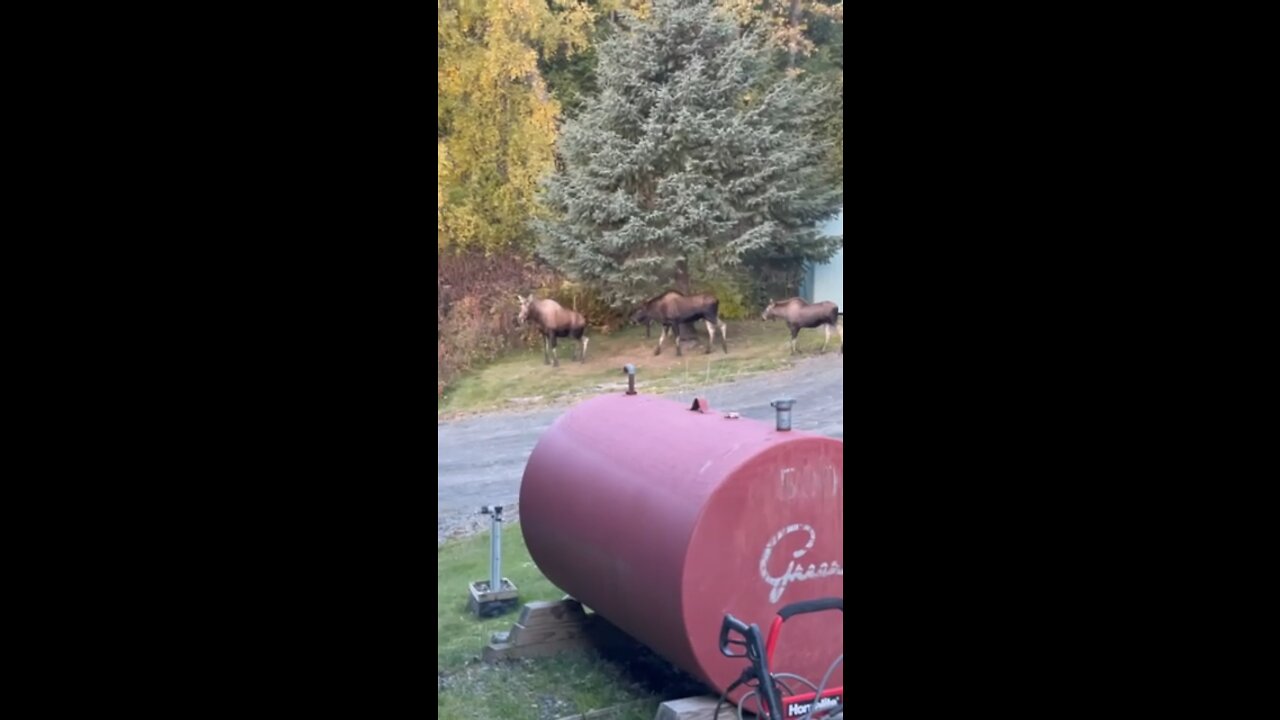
column 662, row 520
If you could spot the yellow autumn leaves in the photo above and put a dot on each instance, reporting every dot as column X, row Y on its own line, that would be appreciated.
column 496, row 120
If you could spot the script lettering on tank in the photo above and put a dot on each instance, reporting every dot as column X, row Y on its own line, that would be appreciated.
column 795, row 572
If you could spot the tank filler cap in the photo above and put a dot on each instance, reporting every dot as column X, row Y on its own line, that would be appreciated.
column 784, row 413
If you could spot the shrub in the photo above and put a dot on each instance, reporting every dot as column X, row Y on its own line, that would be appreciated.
column 476, row 308
column 734, row 294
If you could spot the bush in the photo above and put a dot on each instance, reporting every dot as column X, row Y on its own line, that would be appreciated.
column 734, row 294
column 476, row 308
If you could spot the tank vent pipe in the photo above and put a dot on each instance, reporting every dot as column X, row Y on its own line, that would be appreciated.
column 784, row 413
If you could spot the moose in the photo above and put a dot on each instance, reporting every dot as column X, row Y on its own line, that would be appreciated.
column 800, row 314
column 673, row 308
column 554, row 321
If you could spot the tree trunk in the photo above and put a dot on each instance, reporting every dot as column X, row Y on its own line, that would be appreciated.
column 795, row 29
column 684, row 331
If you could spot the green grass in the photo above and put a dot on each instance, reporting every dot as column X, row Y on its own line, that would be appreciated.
column 519, row 380
column 535, row 689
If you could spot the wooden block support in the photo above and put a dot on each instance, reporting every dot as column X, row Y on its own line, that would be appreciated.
column 545, row 628
column 551, row 612
column 702, row 707
column 506, row 651
column 522, row 634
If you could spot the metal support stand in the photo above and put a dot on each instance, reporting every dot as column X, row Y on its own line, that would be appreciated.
column 495, row 546
column 498, row 595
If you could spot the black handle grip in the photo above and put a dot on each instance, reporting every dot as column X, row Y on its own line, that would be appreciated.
column 810, row 606
column 733, row 624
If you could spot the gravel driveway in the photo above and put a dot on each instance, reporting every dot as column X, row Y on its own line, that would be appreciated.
column 481, row 459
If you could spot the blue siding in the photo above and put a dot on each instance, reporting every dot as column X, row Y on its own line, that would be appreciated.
column 834, row 226
column 826, row 281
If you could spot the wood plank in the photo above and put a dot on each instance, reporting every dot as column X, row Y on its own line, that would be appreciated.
column 523, row 635
column 545, row 628
column 551, row 611
column 702, row 707
column 496, row 651
column 504, row 651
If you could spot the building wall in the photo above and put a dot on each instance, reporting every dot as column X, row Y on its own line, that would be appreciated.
column 826, row 281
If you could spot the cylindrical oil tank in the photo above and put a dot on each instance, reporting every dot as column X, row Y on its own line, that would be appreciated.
column 663, row 519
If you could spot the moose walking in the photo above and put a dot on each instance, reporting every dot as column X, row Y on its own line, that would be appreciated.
column 554, row 321
column 672, row 308
column 800, row 314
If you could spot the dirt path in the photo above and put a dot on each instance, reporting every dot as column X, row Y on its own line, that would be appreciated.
column 481, row 459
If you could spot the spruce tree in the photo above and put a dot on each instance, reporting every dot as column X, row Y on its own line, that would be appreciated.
column 692, row 158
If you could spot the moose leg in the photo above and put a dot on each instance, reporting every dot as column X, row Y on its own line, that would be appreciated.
column 582, row 356
column 723, row 344
column 795, row 330
column 663, row 336
column 840, row 329
column 826, row 341
column 647, row 324
column 555, row 355
column 711, row 337
column 546, row 350
column 675, row 335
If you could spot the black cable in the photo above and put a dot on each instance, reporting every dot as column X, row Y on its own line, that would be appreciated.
column 793, row 676
column 742, row 704
column 823, row 686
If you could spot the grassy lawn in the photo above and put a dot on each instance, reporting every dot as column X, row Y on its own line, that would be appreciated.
column 535, row 689
column 519, row 380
